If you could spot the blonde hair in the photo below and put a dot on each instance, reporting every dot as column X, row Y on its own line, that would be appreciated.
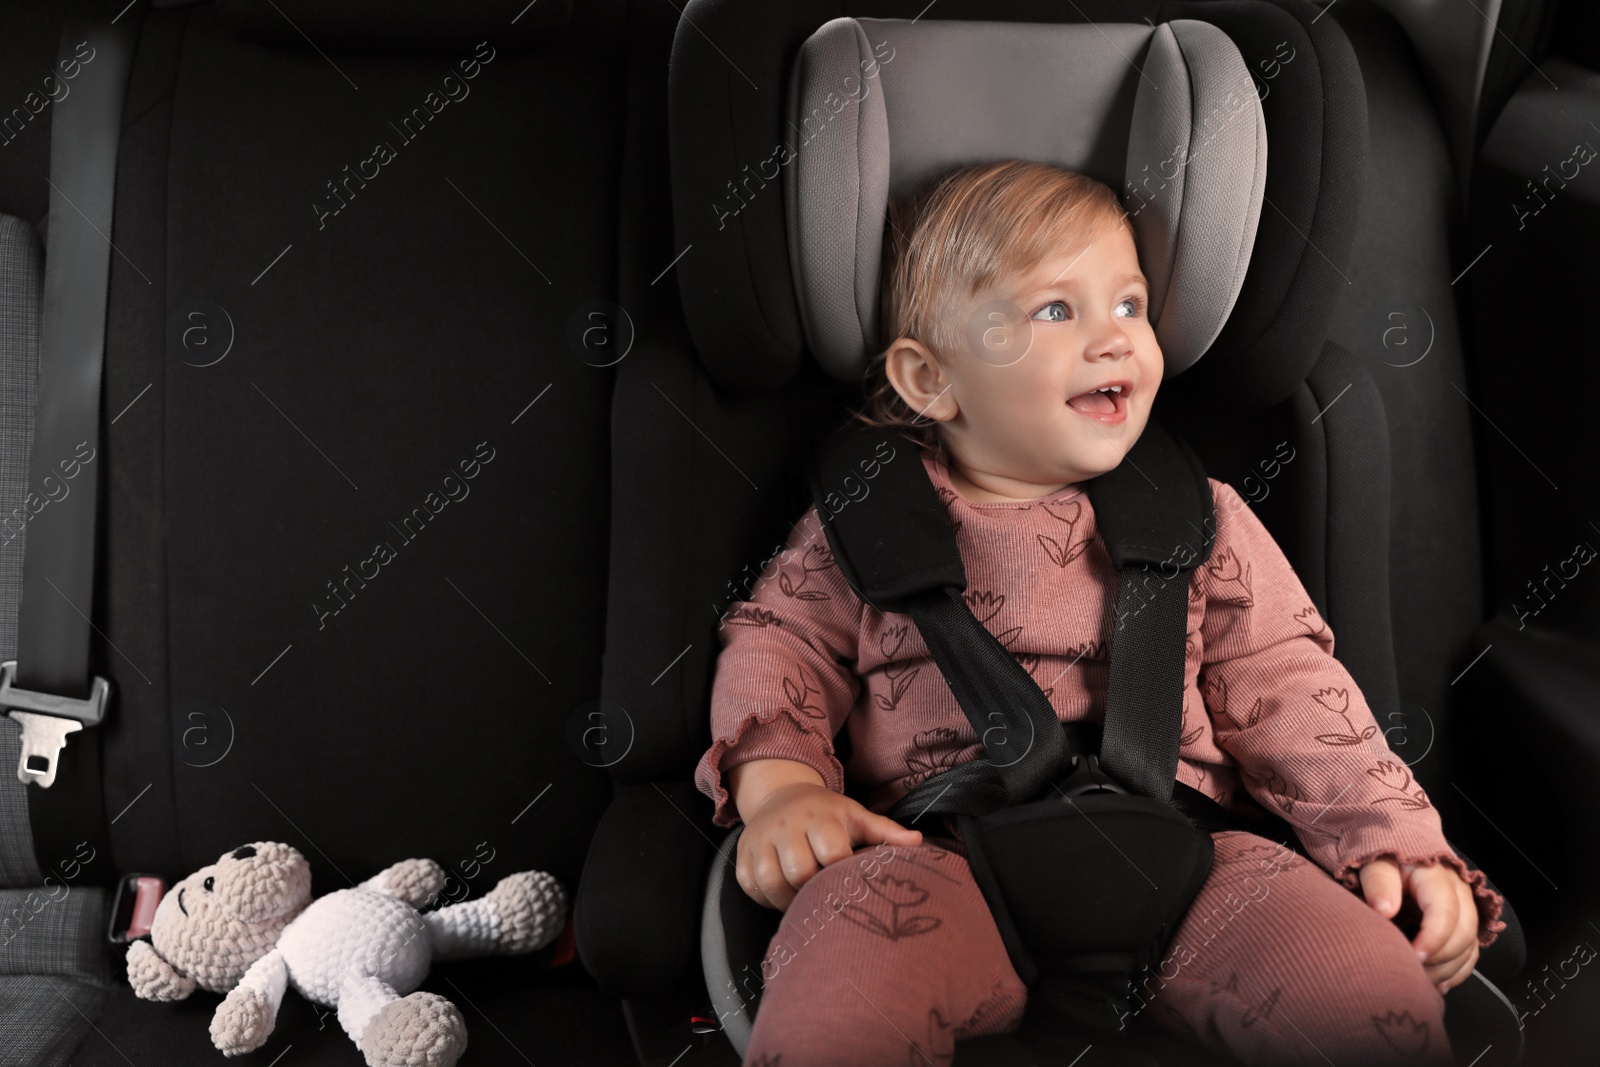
column 955, row 235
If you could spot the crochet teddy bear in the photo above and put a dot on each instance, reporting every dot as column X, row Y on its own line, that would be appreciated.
column 246, row 926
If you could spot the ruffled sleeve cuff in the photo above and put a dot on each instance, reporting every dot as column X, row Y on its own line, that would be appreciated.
column 772, row 733
column 1490, row 904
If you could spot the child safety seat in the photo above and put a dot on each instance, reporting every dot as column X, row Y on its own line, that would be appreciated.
column 1032, row 839
column 1171, row 116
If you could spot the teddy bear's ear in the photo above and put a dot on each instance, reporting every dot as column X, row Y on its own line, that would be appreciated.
column 263, row 881
column 152, row 977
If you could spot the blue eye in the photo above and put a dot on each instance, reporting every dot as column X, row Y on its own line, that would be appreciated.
column 1138, row 305
column 1047, row 307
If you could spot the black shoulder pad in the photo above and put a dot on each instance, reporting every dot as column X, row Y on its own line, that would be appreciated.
column 887, row 528
column 1155, row 507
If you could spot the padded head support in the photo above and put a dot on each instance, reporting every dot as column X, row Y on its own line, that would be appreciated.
column 731, row 143
column 1171, row 109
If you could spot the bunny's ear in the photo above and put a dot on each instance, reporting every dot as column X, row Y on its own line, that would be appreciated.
column 152, row 977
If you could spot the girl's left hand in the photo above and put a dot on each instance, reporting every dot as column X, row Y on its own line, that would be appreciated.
column 1447, row 943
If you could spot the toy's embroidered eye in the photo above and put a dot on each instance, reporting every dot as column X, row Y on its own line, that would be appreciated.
column 208, row 883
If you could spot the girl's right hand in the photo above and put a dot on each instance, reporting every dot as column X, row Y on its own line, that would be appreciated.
column 801, row 828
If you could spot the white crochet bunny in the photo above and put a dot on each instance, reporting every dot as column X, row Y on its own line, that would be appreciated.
column 247, row 926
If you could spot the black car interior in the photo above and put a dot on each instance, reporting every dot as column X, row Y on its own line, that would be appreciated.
column 443, row 372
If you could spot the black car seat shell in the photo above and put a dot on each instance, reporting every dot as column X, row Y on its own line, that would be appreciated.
column 1270, row 361
column 745, row 323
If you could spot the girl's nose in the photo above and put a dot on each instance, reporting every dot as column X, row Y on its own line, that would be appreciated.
column 1113, row 342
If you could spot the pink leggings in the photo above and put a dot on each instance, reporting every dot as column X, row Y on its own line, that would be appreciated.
column 891, row 956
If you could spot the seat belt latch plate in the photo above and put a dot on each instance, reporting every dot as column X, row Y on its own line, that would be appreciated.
column 133, row 910
column 46, row 721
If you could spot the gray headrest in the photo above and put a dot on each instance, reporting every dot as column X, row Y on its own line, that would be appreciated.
column 1168, row 116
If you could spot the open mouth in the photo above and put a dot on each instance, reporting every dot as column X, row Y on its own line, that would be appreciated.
column 1106, row 403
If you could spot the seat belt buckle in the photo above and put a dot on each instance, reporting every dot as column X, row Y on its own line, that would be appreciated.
column 133, row 909
column 1086, row 776
column 46, row 721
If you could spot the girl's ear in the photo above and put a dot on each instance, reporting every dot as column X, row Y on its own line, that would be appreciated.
column 152, row 977
column 916, row 374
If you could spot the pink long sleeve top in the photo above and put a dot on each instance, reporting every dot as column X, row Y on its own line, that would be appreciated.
column 1266, row 708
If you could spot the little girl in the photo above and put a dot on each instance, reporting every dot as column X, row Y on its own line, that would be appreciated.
column 1013, row 295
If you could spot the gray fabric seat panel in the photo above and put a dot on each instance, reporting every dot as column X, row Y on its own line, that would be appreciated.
column 1170, row 114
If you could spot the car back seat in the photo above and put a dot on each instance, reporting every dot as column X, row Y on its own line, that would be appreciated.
column 298, row 362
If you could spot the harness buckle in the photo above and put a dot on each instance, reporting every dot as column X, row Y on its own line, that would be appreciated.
column 46, row 721
column 1086, row 776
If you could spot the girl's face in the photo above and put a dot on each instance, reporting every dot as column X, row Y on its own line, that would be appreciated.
column 1016, row 421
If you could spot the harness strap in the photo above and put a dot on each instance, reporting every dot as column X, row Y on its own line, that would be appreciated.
column 1155, row 515
column 891, row 539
